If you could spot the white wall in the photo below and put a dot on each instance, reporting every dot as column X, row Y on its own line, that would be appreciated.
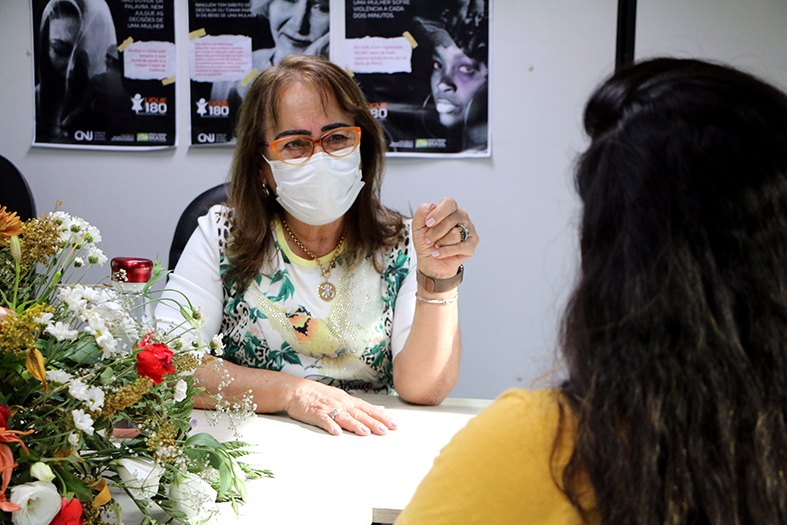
column 546, row 58
column 750, row 35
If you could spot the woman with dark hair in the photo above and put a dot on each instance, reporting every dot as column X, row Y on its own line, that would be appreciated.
column 309, row 276
column 674, row 409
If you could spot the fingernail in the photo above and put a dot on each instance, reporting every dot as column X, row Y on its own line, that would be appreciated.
column 427, row 240
column 432, row 206
column 336, row 430
column 436, row 253
column 364, row 430
column 430, row 222
column 393, row 424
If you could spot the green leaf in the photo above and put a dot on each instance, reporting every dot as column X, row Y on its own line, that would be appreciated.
column 203, row 440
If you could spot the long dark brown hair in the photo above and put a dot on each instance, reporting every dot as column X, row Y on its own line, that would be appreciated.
column 676, row 335
column 370, row 225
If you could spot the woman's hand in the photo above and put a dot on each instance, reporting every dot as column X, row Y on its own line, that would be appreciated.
column 437, row 237
column 315, row 403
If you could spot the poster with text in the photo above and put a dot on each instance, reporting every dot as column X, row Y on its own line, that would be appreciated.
column 104, row 73
column 231, row 42
column 424, row 67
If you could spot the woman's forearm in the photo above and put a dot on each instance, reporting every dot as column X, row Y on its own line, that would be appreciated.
column 426, row 369
column 270, row 390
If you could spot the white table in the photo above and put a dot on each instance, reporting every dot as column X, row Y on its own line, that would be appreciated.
column 342, row 480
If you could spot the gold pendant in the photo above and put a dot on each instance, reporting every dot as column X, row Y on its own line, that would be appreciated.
column 326, row 291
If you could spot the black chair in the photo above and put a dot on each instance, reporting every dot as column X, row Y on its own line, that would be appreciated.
column 188, row 220
column 15, row 194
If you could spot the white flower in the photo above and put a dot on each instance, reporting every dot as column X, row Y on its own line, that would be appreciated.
column 194, row 497
column 78, row 390
column 95, row 255
column 180, row 391
column 44, row 318
column 41, row 471
column 73, row 297
column 62, row 332
column 82, row 421
column 108, row 344
column 91, row 294
column 95, row 398
column 94, row 233
column 39, row 500
column 78, row 262
column 217, row 345
column 58, row 376
column 73, row 439
column 140, row 477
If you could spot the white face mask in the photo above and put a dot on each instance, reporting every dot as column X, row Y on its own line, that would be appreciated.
column 320, row 190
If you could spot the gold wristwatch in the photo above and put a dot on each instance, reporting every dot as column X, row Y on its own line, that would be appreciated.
column 433, row 285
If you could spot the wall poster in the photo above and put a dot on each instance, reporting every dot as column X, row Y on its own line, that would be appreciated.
column 232, row 41
column 104, row 73
column 424, row 67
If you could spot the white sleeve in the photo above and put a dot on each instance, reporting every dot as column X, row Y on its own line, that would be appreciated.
column 404, row 307
column 197, row 277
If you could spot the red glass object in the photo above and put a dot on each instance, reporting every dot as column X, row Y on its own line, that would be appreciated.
column 137, row 270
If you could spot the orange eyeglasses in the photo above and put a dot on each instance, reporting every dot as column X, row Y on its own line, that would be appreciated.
column 297, row 149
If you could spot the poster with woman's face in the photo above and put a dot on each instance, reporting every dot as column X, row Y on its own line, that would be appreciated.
column 104, row 73
column 424, row 66
column 233, row 41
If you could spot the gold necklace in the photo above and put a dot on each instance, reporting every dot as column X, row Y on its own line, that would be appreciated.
column 326, row 290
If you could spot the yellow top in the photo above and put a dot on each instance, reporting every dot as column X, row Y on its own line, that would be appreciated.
column 497, row 469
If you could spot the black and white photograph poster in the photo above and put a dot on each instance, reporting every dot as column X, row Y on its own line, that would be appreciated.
column 104, row 73
column 231, row 42
column 424, row 67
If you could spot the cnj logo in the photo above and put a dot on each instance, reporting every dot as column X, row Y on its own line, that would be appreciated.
column 148, row 105
column 83, row 135
column 209, row 138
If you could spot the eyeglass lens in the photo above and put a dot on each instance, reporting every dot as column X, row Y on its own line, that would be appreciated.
column 301, row 148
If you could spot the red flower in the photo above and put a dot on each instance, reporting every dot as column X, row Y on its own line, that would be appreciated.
column 5, row 415
column 154, row 360
column 70, row 513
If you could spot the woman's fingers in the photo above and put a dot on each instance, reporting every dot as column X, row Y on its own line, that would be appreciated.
column 334, row 410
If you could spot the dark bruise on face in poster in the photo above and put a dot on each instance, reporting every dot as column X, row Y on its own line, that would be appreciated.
column 424, row 66
column 104, row 73
column 232, row 42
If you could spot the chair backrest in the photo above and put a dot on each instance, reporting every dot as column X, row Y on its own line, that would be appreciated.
column 188, row 220
column 15, row 194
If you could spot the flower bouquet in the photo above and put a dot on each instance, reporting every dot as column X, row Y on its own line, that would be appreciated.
column 93, row 396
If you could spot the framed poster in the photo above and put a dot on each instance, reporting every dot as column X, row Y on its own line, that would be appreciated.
column 424, row 67
column 104, row 73
column 231, row 42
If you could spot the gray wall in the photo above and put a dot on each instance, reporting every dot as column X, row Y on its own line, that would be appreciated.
column 546, row 58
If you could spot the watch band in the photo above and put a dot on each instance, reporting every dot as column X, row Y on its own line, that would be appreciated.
column 431, row 284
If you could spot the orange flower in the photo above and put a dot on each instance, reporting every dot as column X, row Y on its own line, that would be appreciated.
column 10, row 225
column 7, row 465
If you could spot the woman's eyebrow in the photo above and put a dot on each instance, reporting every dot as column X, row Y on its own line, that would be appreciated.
column 327, row 127
column 335, row 125
column 292, row 132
